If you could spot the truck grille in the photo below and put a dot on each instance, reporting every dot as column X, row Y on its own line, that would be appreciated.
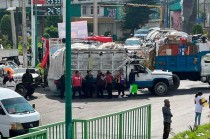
column 30, row 124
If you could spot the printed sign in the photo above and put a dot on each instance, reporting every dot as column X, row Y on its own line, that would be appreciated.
column 78, row 30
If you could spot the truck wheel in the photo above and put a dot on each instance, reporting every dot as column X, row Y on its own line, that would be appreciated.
column 176, row 83
column 20, row 89
column 160, row 88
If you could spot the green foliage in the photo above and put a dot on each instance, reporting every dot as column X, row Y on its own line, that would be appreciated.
column 202, row 132
column 5, row 42
column 53, row 21
column 20, row 44
column 6, row 31
column 136, row 17
column 197, row 29
column 46, row 35
column 52, row 31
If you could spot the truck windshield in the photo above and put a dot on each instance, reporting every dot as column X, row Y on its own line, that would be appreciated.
column 17, row 105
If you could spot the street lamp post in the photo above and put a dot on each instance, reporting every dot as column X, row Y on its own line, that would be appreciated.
column 68, row 100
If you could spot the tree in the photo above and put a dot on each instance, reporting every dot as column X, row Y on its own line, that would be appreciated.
column 52, row 31
column 197, row 29
column 136, row 17
column 53, row 21
column 5, row 27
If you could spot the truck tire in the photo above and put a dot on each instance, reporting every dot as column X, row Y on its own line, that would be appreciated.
column 20, row 89
column 176, row 83
column 160, row 88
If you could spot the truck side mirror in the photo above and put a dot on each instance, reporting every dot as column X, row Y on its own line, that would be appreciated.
column 33, row 105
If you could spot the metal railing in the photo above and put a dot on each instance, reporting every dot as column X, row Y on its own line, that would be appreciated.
column 129, row 124
column 41, row 134
column 54, row 131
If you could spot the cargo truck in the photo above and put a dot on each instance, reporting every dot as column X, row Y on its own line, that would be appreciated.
column 187, row 61
column 84, row 58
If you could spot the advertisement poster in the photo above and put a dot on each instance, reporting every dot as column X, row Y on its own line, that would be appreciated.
column 78, row 30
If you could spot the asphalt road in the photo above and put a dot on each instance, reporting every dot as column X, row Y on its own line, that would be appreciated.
column 52, row 108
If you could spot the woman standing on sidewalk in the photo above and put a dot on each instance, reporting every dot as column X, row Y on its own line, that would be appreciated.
column 198, row 108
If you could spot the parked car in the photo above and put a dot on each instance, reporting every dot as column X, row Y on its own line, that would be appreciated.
column 16, row 114
column 141, row 33
column 133, row 43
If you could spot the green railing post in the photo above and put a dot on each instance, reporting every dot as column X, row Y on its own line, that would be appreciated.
column 73, row 124
column 149, row 121
column 85, row 130
column 120, row 126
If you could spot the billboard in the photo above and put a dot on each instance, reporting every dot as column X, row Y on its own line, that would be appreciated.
column 78, row 30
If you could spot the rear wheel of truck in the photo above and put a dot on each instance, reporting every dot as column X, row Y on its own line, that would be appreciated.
column 160, row 88
column 176, row 83
column 20, row 89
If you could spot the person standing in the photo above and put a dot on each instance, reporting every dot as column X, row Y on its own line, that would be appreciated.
column 89, row 84
column 7, row 77
column 27, row 80
column 76, row 84
column 108, row 84
column 166, row 118
column 100, row 84
column 11, row 84
column 121, row 84
column 132, row 81
column 62, row 85
column 198, row 108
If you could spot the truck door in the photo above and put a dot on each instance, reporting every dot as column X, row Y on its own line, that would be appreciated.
column 143, row 76
column 205, row 65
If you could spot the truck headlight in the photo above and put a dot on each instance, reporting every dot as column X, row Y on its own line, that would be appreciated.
column 16, row 126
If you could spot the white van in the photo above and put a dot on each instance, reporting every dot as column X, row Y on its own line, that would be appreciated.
column 16, row 114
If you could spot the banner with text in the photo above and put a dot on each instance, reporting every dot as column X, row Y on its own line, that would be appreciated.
column 78, row 30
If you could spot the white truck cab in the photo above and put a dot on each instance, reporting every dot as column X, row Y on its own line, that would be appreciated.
column 16, row 114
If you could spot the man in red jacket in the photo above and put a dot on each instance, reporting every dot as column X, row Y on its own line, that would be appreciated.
column 76, row 84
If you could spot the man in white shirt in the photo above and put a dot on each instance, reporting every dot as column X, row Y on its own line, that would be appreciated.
column 11, row 84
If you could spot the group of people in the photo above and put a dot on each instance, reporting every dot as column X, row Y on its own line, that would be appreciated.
column 87, row 85
column 27, row 80
column 199, row 101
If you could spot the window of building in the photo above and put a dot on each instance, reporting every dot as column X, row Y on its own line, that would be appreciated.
column 84, row 10
column 98, row 10
column 92, row 10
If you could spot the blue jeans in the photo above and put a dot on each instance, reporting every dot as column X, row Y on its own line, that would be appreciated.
column 197, row 118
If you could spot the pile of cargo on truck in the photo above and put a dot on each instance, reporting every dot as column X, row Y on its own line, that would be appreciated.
column 186, row 56
column 107, row 56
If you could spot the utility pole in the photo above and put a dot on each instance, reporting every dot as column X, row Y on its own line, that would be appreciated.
column 14, row 39
column 24, row 34
column 95, row 18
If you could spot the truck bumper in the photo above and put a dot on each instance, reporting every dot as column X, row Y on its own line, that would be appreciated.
column 14, row 133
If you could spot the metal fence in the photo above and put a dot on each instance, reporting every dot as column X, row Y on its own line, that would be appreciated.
column 130, row 124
